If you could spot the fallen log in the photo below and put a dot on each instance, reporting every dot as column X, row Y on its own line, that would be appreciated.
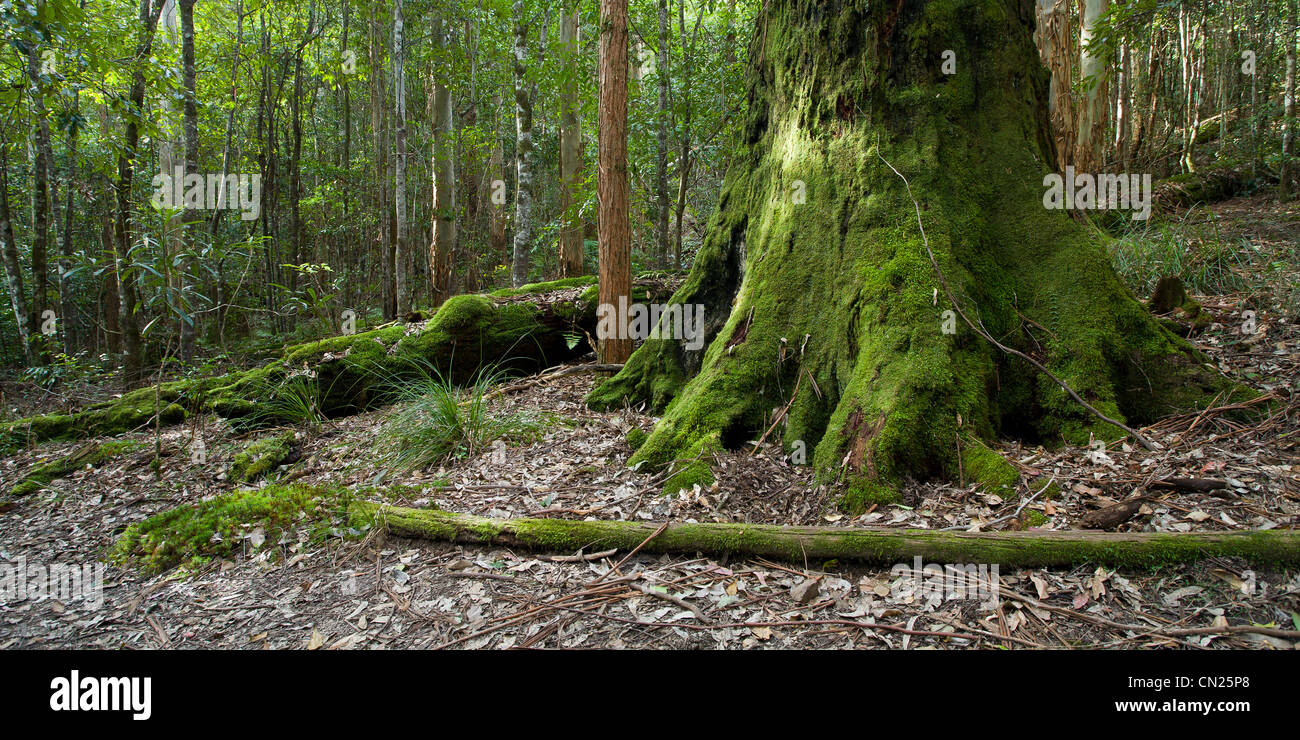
column 519, row 330
column 261, row 457
column 1112, row 516
column 798, row 544
column 90, row 453
column 1195, row 485
column 1193, row 188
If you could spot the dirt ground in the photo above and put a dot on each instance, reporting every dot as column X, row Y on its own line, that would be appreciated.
column 376, row 592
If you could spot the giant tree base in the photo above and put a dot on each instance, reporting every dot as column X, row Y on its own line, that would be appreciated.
column 875, row 200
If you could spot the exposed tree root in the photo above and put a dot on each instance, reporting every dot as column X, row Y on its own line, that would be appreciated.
column 796, row 544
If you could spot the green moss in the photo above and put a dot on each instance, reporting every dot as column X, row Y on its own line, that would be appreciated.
column 215, row 527
column 691, row 468
column 635, row 438
column 695, row 473
column 799, row 544
column 134, row 410
column 989, row 470
column 1046, row 488
column 260, row 457
column 1034, row 518
column 352, row 373
column 863, row 492
column 581, row 281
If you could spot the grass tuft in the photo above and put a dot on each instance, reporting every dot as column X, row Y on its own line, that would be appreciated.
column 1206, row 266
column 439, row 421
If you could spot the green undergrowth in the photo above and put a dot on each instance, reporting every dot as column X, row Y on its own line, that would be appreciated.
column 195, row 534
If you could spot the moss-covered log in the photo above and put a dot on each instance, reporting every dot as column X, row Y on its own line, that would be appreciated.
column 131, row 411
column 1195, row 188
column 260, row 457
column 818, row 290
column 87, row 454
column 520, row 330
column 795, row 544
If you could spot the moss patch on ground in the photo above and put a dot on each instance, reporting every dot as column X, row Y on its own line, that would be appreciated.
column 581, row 281
column 989, row 470
column 636, row 438
column 216, row 527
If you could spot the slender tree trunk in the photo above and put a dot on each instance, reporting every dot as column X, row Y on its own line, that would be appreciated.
column 71, row 323
column 1257, row 154
column 497, row 242
column 470, row 161
column 1122, row 114
column 1288, row 174
column 685, row 161
column 399, row 171
column 383, row 243
column 345, row 156
column 295, row 161
column 12, row 263
column 1187, row 52
column 611, row 183
column 228, row 150
column 111, row 302
column 188, row 328
column 171, row 147
column 443, row 250
column 1092, row 67
column 523, row 151
column 126, row 283
column 571, row 251
column 1055, row 45
column 661, row 141
column 41, row 167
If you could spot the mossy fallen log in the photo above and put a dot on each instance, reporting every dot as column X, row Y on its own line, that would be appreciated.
column 87, row 454
column 133, row 410
column 797, row 544
column 260, row 457
column 514, row 330
column 1193, row 188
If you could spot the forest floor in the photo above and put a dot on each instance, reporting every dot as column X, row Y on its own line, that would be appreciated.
column 392, row 592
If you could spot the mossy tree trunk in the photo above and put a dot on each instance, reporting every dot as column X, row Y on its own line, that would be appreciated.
column 817, row 285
